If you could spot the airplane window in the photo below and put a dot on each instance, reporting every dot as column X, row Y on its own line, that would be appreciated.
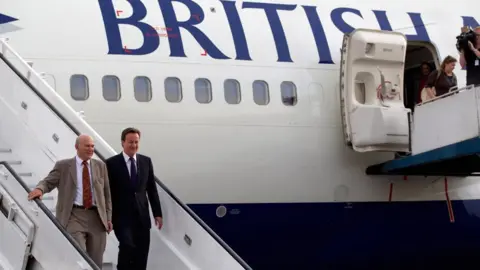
column 79, row 87
column 232, row 92
column 173, row 89
column 203, row 90
column 261, row 95
column 142, row 88
column 289, row 93
column 111, row 88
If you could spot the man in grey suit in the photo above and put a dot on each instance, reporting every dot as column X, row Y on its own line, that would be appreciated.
column 84, row 205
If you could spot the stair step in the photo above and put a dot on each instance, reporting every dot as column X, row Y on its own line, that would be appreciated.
column 13, row 162
column 108, row 266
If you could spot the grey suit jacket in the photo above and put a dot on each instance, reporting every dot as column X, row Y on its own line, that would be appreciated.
column 64, row 177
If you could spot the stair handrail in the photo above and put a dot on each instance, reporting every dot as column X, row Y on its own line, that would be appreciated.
column 102, row 143
column 449, row 93
column 50, row 216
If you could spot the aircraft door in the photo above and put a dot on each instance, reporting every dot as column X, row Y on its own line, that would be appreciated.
column 371, row 91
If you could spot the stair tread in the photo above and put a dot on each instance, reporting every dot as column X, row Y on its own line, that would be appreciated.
column 13, row 162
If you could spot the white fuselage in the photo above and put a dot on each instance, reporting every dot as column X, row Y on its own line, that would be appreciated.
column 224, row 153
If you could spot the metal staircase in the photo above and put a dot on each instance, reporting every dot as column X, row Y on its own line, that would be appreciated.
column 31, row 234
column 37, row 128
column 7, row 156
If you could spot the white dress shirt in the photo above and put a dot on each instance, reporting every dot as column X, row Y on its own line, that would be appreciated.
column 129, row 163
column 79, row 196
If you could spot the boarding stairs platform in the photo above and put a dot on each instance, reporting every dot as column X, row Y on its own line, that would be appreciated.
column 37, row 128
column 444, row 138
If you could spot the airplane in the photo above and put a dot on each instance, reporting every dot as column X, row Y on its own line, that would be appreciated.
column 242, row 108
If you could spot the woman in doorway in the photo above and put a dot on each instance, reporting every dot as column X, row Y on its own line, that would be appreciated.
column 442, row 80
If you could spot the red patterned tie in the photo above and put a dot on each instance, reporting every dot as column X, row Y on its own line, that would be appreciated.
column 87, row 189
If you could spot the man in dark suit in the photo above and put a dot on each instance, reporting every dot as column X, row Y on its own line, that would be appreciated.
column 131, row 180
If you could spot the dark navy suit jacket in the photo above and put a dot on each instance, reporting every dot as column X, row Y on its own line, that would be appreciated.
column 129, row 201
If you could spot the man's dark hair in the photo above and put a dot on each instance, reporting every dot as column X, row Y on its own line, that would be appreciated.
column 128, row 131
column 425, row 63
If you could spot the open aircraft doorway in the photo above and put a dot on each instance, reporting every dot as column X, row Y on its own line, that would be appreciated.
column 377, row 96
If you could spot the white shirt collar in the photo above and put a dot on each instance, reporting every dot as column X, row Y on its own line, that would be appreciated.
column 80, row 161
column 127, row 158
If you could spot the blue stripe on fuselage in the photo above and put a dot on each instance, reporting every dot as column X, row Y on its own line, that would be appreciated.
column 6, row 19
column 370, row 235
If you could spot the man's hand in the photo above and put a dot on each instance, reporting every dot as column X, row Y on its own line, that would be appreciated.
column 158, row 222
column 36, row 193
column 109, row 226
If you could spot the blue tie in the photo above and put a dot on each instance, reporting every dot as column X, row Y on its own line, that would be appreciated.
column 133, row 171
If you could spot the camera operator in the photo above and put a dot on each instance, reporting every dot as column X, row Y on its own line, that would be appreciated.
column 470, row 57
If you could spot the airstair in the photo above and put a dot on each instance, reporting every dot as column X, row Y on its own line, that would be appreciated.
column 37, row 128
column 445, row 138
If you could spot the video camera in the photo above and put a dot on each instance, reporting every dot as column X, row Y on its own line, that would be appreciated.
column 467, row 35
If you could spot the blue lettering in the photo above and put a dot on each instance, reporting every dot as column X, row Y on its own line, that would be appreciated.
column 238, row 34
column 319, row 34
column 139, row 12
column 197, row 16
column 416, row 19
column 281, row 44
column 112, row 29
column 422, row 34
column 382, row 20
column 337, row 19
column 469, row 21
